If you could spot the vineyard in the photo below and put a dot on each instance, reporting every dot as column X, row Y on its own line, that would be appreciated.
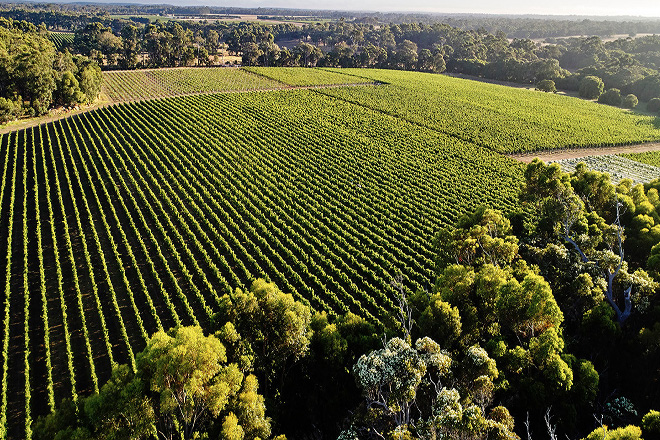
column 618, row 167
column 501, row 118
column 135, row 217
column 649, row 158
column 132, row 85
column 296, row 76
column 61, row 40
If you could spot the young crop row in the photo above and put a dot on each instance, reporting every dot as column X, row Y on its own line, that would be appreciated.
column 61, row 40
column 501, row 118
column 137, row 217
column 618, row 167
column 650, row 157
column 298, row 76
column 135, row 85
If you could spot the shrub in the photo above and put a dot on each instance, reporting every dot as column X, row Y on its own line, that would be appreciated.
column 629, row 101
column 546, row 85
column 651, row 425
column 653, row 105
column 611, row 97
column 591, row 87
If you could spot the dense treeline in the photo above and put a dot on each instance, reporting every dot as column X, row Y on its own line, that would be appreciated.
column 73, row 16
column 34, row 77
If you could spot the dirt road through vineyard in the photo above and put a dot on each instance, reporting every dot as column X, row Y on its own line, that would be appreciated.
column 573, row 153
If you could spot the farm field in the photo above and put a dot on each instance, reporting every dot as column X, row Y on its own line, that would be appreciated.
column 649, row 157
column 132, row 85
column 296, row 76
column 139, row 216
column 501, row 118
column 135, row 217
column 61, row 39
column 617, row 166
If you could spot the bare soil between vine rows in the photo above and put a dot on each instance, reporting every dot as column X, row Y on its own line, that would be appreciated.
column 576, row 153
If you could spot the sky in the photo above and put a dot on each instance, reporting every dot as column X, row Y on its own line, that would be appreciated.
column 644, row 8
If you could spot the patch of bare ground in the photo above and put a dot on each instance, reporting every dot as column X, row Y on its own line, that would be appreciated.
column 574, row 153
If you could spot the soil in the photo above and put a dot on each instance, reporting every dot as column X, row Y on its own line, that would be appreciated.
column 575, row 153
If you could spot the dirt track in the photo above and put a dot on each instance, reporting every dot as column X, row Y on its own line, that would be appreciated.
column 574, row 153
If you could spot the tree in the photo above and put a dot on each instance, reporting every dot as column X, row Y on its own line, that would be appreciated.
column 611, row 97
column 629, row 101
column 653, row 105
column 574, row 208
column 90, row 79
column 274, row 325
column 421, row 392
column 546, row 85
column 591, row 87
column 183, row 388
column 68, row 90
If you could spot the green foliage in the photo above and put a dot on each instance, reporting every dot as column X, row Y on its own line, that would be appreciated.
column 591, row 87
column 69, row 90
column 651, row 425
column 90, row 80
column 611, row 97
column 653, row 105
column 9, row 109
column 629, row 101
column 275, row 325
column 629, row 432
column 546, row 85
column 481, row 238
column 183, row 383
column 399, row 377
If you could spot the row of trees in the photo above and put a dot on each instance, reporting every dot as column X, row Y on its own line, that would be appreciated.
column 34, row 77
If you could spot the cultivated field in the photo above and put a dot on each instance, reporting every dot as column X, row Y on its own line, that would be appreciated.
column 501, row 118
column 132, row 85
column 649, row 157
column 139, row 216
column 61, row 39
column 617, row 167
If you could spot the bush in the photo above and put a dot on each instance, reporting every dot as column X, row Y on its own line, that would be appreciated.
column 651, row 425
column 611, row 97
column 546, row 85
column 591, row 87
column 9, row 109
column 653, row 105
column 629, row 101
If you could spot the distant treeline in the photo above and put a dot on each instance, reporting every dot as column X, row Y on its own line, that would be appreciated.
column 76, row 15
